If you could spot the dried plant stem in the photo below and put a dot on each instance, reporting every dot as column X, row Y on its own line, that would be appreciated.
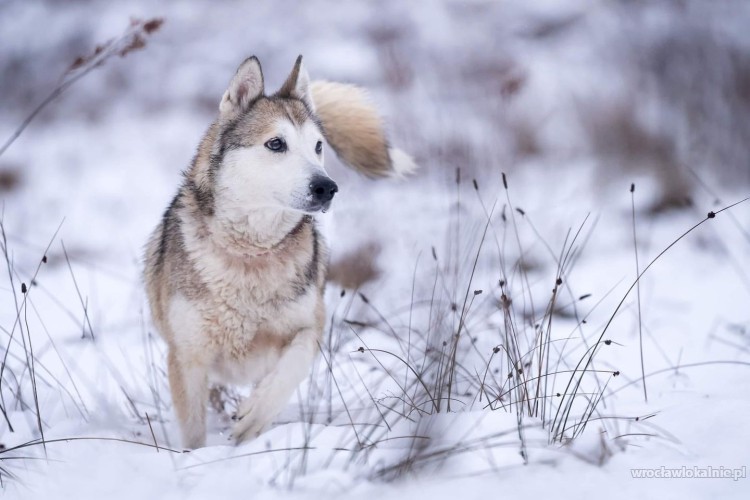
column 132, row 39
column 638, row 292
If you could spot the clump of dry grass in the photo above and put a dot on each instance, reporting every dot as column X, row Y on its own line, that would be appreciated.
column 132, row 39
column 22, row 374
column 10, row 178
column 357, row 267
column 502, row 349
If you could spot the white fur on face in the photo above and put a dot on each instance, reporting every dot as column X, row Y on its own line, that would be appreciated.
column 256, row 177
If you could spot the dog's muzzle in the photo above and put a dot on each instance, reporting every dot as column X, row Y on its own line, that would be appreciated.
column 322, row 190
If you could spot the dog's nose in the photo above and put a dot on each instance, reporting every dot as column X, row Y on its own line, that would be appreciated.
column 323, row 189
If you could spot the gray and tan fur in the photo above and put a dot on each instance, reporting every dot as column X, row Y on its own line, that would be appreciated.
column 236, row 269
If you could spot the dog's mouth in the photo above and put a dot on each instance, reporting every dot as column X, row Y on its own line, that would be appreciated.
column 316, row 207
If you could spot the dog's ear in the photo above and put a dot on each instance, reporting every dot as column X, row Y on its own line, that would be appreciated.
column 297, row 85
column 245, row 87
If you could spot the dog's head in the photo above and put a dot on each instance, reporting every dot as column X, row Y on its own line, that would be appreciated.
column 268, row 149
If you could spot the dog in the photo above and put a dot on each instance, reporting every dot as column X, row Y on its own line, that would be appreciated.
column 236, row 270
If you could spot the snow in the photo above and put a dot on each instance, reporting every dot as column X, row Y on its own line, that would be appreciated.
column 102, row 162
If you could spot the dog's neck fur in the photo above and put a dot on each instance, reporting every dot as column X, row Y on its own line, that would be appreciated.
column 254, row 233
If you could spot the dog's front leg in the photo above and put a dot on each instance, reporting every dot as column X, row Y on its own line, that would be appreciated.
column 275, row 389
column 188, row 382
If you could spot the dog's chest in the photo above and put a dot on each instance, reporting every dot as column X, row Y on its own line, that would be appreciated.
column 256, row 305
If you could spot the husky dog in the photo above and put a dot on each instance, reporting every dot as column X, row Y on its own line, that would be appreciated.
column 236, row 269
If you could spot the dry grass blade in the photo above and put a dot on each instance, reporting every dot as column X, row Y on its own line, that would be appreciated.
column 560, row 421
column 638, row 293
column 134, row 38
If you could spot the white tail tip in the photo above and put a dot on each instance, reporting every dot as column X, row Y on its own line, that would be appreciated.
column 401, row 163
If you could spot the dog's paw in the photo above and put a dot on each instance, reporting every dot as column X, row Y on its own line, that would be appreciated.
column 250, row 423
column 247, row 429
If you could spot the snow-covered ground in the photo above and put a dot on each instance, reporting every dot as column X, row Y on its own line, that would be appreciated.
column 481, row 86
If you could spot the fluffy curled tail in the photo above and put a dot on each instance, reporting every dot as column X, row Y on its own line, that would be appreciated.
column 355, row 130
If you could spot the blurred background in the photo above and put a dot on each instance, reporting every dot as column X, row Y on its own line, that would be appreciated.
column 661, row 88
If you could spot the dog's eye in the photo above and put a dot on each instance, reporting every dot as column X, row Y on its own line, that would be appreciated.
column 318, row 147
column 277, row 145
